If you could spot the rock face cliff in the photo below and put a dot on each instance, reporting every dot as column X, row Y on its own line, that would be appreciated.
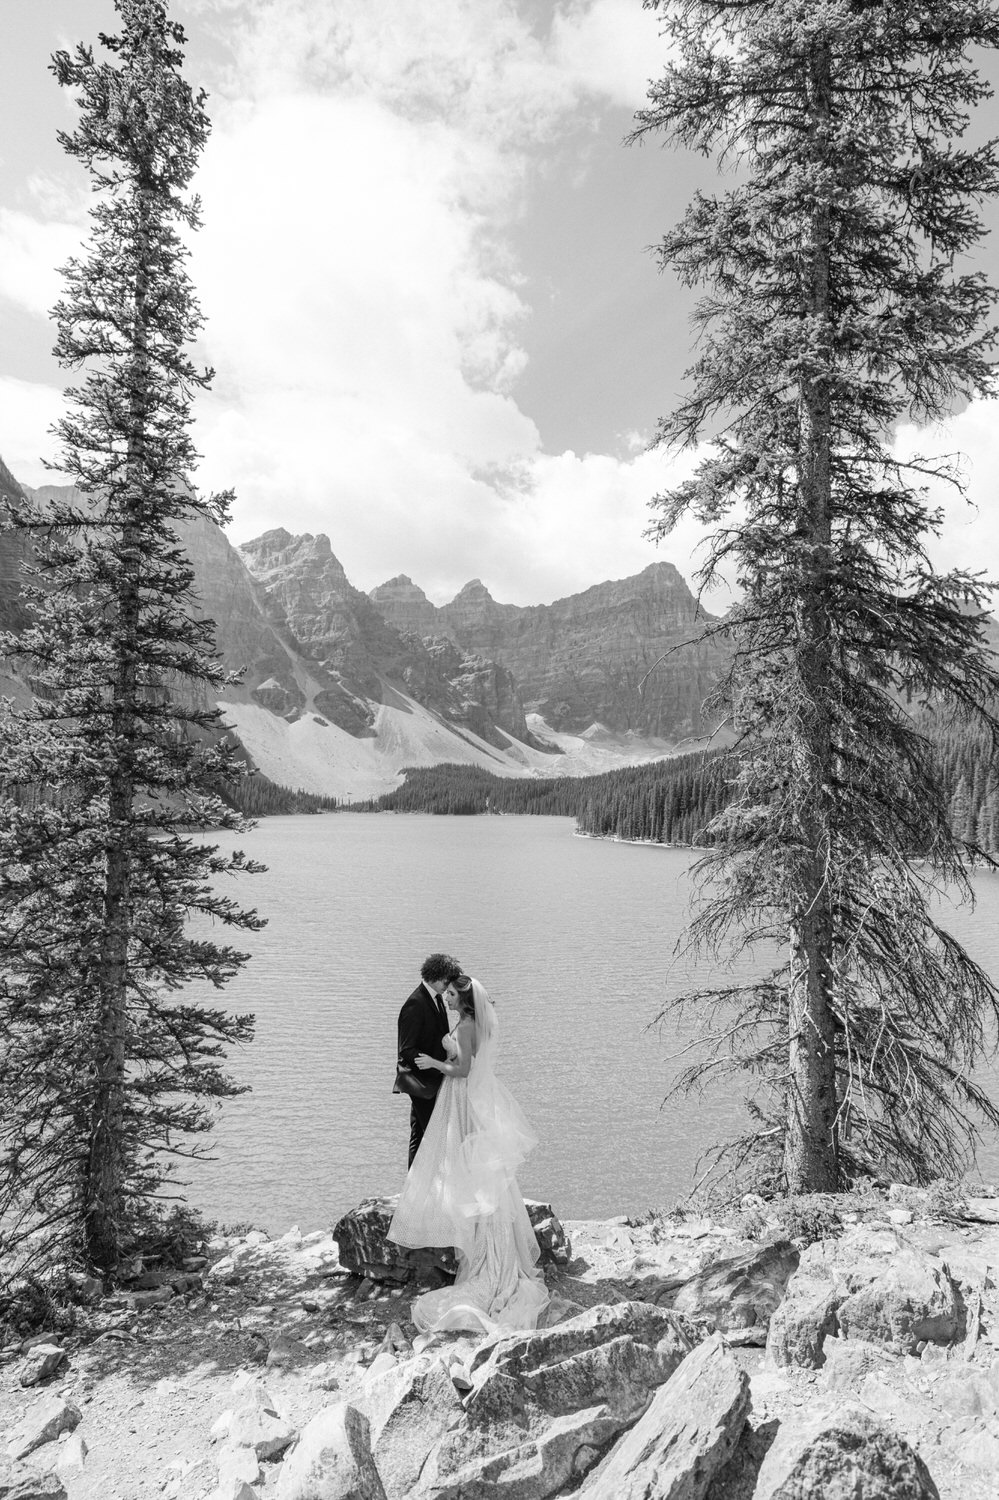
column 303, row 640
column 348, row 643
column 339, row 690
column 13, row 552
column 593, row 658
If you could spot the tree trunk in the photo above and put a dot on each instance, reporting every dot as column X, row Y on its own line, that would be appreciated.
column 810, row 1150
column 104, row 1205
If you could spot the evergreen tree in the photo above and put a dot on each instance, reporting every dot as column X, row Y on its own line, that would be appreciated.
column 105, row 1072
column 835, row 308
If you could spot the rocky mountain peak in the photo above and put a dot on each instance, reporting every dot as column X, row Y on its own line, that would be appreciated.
column 305, row 556
column 593, row 658
column 475, row 589
column 404, row 603
column 401, row 590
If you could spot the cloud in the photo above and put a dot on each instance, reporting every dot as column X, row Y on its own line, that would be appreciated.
column 970, row 535
column 31, row 251
column 363, row 310
column 27, row 411
column 611, row 48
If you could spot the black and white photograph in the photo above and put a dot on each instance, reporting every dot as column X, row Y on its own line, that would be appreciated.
column 499, row 750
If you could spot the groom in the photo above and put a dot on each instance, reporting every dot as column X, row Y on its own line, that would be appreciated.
column 423, row 1025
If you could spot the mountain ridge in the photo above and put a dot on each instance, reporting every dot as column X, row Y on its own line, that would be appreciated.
column 336, row 696
column 607, row 655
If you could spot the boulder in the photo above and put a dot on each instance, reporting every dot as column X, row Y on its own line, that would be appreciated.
column 72, row 1454
column 409, row 1409
column 841, row 1456
column 18, row 1482
column 46, row 1420
column 233, row 1489
column 545, row 1405
column 804, row 1320
column 869, row 1285
column 553, row 1242
column 737, row 1293
column 240, row 1464
column 848, row 1361
column 42, row 1363
column 257, row 1424
column 331, row 1460
column 365, row 1250
column 684, row 1438
column 911, row 1299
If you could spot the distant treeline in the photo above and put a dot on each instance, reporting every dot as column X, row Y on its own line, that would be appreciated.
column 662, row 802
column 673, row 801
column 259, row 797
column 970, row 773
column 255, row 795
column 666, row 801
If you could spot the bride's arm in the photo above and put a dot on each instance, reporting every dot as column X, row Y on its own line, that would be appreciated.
column 457, row 1067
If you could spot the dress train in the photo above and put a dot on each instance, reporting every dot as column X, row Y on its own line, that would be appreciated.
column 462, row 1191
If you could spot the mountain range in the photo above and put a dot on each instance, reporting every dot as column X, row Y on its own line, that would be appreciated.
column 340, row 689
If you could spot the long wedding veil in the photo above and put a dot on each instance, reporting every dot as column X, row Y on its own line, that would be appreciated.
column 501, row 1136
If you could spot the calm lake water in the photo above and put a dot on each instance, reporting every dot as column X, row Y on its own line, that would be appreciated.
column 573, row 938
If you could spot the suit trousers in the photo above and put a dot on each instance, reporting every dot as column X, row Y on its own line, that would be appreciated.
column 420, row 1111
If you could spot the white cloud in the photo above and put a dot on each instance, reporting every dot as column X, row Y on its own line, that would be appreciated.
column 31, row 252
column 27, row 411
column 970, row 536
column 365, row 315
column 364, row 312
column 612, row 48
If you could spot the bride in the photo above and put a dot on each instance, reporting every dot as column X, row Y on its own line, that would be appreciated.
column 462, row 1189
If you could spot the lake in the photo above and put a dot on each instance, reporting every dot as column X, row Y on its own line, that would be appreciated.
column 573, row 937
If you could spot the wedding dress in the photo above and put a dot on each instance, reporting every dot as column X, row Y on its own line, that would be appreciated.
column 462, row 1191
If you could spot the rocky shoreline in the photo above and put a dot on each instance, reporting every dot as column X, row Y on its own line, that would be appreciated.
column 823, row 1347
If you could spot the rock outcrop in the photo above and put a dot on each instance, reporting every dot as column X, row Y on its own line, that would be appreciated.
column 14, row 551
column 870, row 1285
column 45, row 1421
column 841, row 1456
column 594, row 658
column 354, row 655
column 409, row 1409
column 545, row 1405
column 684, row 1438
column 737, row 1294
column 301, row 637
column 18, row 1482
column 613, row 1397
column 331, row 1460
column 366, row 1250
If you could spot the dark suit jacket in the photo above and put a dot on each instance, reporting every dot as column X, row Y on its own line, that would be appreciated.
column 422, row 1030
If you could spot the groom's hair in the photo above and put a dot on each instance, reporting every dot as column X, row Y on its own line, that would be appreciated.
column 440, row 966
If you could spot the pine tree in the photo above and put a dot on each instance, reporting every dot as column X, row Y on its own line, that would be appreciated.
column 835, row 308
column 105, row 1071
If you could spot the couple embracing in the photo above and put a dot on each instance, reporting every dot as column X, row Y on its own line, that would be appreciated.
column 468, row 1137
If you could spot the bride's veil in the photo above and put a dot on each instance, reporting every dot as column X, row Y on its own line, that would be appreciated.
column 486, row 1022
column 501, row 1135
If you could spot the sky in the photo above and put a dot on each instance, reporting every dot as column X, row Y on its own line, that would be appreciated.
column 438, row 332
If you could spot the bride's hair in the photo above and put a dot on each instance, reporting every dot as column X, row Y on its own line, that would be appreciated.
column 462, row 986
